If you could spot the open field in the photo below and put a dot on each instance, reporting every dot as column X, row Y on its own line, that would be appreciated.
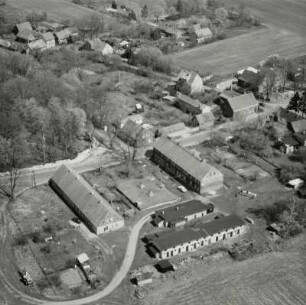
column 285, row 35
column 230, row 55
column 57, row 10
column 277, row 278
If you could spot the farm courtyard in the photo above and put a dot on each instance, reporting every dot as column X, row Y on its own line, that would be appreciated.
column 227, row 56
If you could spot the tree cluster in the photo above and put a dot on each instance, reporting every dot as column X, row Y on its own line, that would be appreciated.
column 298, row 103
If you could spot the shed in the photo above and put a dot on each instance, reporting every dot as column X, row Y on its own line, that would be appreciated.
column 82, row 258
column 164, row 266
column 144, row 279
column 296, row 183
column 21, row 27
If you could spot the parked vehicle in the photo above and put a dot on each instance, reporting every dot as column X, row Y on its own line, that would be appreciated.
column 182, row 188
column 248, row 194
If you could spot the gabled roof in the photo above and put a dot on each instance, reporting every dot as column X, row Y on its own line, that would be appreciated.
column 95, row 208
column 26, row 35
column 205, row 117
column 37, row 45
column 24, row 26
column 63, row 34
column 96, row 44
column 178, row 212
column 202, row 33
column 173, row 128
column 48, row 36
column 188, row 100
column 299, row 126
column 182, row 158
column 300, row 137
column 289, row 140
column 248, row 76
column 133, row 130
column 242, row 102
column 288, row 115
column 222, row 224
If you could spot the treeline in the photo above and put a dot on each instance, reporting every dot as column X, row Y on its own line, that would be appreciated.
column 39, row 118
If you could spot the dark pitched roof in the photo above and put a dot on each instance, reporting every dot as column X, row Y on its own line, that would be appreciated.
column 248, row 77
column 222, row 224
column 133, row 130
column 95, row 208
column 164, row 265
column 188, row 100
column 182, row 158
column 242, row 102
column 288, row 116
column 289, row 140
column 299, row 126
column 300, row 137
column 178, row 212
column 24, row 26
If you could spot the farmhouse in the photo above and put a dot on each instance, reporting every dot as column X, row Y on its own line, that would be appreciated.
column 199, row 35
column 137, row 118
column 249, row 78
column 85, row 202
column 136, row 134
column 179, row 214
column 289, row 144
column 191, row 80
column 189, row 105
column 196, row 175
column 203, row 121
column 98, row 46
column 238, row 107
column 25, row 36
column 37, row 45
column 49, row 39
column 21, row 27
column 299, row 126
column 62, row 36
column 167, row 244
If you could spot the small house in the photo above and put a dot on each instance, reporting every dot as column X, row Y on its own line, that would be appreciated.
column 22, row 27
column 238, row 107
column 52, row 26
column 296, row 183
column 189, row 79
column 49, row 40
column 189, row 105
column 25, row 36
column 144, row 279
column 200, row 35
column 299, row 126
column 98, row 46
column 301, row 138
column 203, row 121
column 137, row 118
column 82, row 259
column 62, row 37
column 37, row 45
column 164, row 266
column 289, row 144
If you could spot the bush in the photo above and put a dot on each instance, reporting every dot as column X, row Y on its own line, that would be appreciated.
column 21, row 240
column 143, row 86
column 55, row 280
column 2, row 2
column 36, row 237
column 45, row 249
column 43, row 284
column 48, row 229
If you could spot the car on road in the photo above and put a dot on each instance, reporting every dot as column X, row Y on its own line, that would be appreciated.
column 182, row 188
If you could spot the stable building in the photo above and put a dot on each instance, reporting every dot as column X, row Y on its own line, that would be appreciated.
column 167, row 244
column 96, row 213
column 195, row 175
column 179, row 214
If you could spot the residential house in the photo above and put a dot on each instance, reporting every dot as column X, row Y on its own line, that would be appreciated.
column 144, row 279
column 21, row 27
column 98, row 46
column 301, row 138
column 189, row 105
column 249, row 79
column 179, row 214
column 169, row 31
column 137, row 118
column 190, row 79
column 196, row 175
column 137, row 134
column 289, row 144
column 62, row 37
column 174, row 128
column 299, row 126
column 37, row 45
column 167, row 244
column 238, row 107
column 200, row 35
column 25, row 36
column 287, row 117
column 96, row 213
column 203, row 121
column 49, row 40
column 52, row 26
column 164, row 266
column 74, row 34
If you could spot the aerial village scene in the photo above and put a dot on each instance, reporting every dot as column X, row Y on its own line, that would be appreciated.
column 152, row 152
